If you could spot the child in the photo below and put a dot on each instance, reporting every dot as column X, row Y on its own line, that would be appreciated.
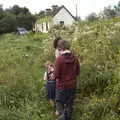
column 51, row 83
column 55, row 45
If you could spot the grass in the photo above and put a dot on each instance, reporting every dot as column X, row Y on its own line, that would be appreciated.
column 45, row 19
column 22, row 89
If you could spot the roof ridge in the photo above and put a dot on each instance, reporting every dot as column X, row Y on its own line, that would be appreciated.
column 62, row 6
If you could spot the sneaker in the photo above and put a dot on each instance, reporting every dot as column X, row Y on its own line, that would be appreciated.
column 57, row 113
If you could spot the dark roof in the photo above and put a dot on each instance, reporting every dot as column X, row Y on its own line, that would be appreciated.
column 66, row 10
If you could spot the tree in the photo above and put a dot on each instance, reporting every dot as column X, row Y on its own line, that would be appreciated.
column 92, row 17
column 18, row 10
column 41, row 14
column 15, row 10
column 109, row 12
column 1, row 12
column 8, row 23
column 48, row 12
column 1, row 7
column 25, row 10
column 26, row 21
column 117, row 9
column 55, row 8
column 16, row 16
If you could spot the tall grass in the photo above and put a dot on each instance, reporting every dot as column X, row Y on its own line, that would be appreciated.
column 97, row 45
column 22, row 93
column 22, row 89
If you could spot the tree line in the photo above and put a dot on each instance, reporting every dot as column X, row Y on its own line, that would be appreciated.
column 14, row 17
column 17, row 16
column 107, row 13
column 49, row 11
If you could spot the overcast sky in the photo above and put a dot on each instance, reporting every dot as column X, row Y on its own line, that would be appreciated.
column 85, row 7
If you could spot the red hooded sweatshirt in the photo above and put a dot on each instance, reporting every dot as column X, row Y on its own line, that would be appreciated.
column 66, row 70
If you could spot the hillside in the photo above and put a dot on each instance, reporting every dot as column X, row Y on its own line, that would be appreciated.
column 22, row 92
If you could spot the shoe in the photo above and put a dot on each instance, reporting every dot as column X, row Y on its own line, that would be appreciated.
column 57, row 113
column 61, row 117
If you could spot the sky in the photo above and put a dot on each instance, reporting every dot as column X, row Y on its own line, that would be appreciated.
column 84, row 7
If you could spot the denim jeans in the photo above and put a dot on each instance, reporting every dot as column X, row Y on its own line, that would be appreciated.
column 64, row 103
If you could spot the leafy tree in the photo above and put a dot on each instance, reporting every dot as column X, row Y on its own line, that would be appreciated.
column 48, row 12
column 117, row 9
column 55, row 8
column 16, row 16
column 109, row 12
column 18, row 10
column 92, row 17
column 15, row 9
column 41, row 14
column 1, row 12
column 26, row 21
column 8, row 23
column 25, row 10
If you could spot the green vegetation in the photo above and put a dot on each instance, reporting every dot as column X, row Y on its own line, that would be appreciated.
column 22, row 93
column 45, row 19
column 107, row 13
column 97, row 45
column 15, row 17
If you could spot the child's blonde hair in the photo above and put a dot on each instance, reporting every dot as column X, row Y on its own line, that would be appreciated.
column 47, row 63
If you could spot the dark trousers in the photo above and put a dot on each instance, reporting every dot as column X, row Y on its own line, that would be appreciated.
column 64, row 103
column 51, row 89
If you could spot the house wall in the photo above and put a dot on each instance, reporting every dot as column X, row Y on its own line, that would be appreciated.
column 43, row 27
column 38, row 27
column 63, row 15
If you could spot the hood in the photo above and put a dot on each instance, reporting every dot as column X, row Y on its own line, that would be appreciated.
column 69, row 58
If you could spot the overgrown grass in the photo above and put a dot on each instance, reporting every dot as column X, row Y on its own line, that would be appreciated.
column 22, row 91
column 97, row 45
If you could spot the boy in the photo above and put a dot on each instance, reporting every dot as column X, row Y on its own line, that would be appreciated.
column 66, row 71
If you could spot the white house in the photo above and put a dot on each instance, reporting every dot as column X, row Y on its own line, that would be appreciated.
column 62, row 17
column 43, row 25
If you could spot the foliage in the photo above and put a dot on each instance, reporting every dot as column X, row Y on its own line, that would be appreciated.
column 45, row 19
column 49, row 11
column 7, row 23
column 98, row 47
column 96, row 44
column 92, row 17
column 15, row 17
column 107, row 13
column 22, row 89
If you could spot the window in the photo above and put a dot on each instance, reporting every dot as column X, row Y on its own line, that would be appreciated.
column 42, row 27
column 47, row 26
column 61, row 23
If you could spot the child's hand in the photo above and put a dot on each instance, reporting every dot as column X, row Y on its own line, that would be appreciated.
column 52, row 76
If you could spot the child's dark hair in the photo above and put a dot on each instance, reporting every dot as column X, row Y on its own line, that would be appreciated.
column 55, row 42
column 64, row 44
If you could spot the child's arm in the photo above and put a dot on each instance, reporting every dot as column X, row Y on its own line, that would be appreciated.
column 52, row 72
column 45, row 76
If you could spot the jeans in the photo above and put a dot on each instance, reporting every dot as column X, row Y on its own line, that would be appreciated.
column 64, row 103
